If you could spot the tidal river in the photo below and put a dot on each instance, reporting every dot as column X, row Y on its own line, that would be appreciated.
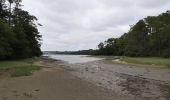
column 72, row 59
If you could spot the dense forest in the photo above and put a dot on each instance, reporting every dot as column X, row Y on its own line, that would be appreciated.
column 148, row 37
column 19, row 36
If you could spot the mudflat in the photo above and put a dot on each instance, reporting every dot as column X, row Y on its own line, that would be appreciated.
column 54, row 82
column 144, row 82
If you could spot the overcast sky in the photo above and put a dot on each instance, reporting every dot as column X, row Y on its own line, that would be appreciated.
column 82, row 24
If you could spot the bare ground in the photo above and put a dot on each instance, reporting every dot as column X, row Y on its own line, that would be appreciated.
column 140, row 81
column 98, row 80
column 54, row 82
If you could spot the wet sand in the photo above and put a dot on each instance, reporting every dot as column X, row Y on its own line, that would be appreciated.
column 54, row 82
column 97, row 80
column 140, row 81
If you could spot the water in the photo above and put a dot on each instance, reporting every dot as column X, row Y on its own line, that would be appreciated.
column 74, row 58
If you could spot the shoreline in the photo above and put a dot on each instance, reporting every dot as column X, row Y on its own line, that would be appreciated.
column 148, row 83
column 53, row 82
column 96, row 80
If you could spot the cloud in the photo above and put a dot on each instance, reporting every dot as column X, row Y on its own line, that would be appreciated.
column 82, row 24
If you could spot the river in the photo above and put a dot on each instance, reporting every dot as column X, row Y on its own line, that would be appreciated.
column 72, row 59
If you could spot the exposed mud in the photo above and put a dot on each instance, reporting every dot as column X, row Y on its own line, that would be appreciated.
column 97, row 80
column 141, row 82
column 54, row 82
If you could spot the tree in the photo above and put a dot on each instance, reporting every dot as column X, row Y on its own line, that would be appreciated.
column 19, row 36
column 101, row 45
column 137, row 40
column 6, row 38
column 148, row 37
column 10, row 10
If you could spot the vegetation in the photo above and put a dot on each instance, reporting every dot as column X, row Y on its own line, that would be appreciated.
column 148, row 60
column 149, row 37
column 19, row 36
column 19, row 67
column 81, row 52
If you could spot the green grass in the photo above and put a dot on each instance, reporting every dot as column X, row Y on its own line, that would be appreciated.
column 19, row 67
column 147, row 60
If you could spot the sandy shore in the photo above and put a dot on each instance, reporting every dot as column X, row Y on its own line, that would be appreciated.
column 54, row 82
column 97, row 80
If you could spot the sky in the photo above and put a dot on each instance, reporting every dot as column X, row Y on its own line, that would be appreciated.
column 70, row 25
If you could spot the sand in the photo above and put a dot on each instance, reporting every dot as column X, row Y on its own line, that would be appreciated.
column 143, row 82
column 97, row 80
column 54, row 82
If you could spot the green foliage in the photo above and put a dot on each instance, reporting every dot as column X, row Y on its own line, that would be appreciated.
column 148, row 37
column 19, row 36
column 19, row 67
column 5, row 40
column 148, row 61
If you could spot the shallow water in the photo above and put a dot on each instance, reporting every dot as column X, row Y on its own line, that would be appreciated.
column 72, row 59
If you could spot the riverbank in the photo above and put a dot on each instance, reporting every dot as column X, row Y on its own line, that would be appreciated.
column 144, row 82
column 95, row 80
column 16, row 68
column 155, row 61
column 54, row 82
column 147, row 61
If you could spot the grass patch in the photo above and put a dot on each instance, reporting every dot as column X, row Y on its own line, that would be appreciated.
column 19, row 67
column 147, row 60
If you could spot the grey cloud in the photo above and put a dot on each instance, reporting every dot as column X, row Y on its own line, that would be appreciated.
column 153, row 3
column 82, row 24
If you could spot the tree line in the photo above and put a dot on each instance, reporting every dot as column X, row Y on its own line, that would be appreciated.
column 148, row 37
column 19, row 36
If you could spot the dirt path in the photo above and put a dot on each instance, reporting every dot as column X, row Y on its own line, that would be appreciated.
column 54, row 83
